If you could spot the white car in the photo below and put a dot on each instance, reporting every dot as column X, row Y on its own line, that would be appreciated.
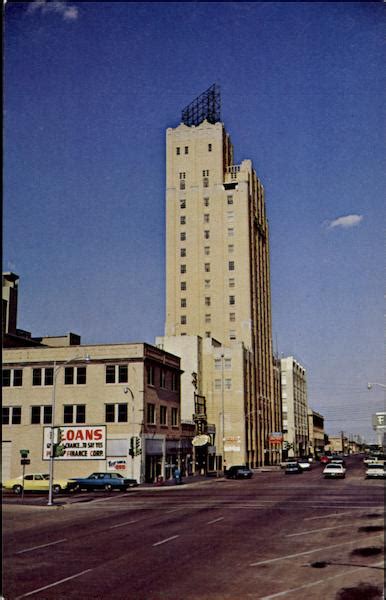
column 376, row 469
column 334, row 470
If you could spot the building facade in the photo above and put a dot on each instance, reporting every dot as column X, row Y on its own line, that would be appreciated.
column 130, row 391
column 218, row 279
column 294, row 408
column 316, row 433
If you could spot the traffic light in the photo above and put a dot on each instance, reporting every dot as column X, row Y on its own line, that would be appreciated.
column 138, row 449
column 131, row 451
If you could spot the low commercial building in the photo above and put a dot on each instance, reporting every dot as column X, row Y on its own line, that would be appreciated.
column 130, row 393
column 316, row 433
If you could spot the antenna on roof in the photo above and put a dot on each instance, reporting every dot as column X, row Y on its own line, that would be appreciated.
column 206, row 106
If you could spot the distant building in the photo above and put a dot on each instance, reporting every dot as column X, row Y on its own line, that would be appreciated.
column 316, row 433
column 294, row 407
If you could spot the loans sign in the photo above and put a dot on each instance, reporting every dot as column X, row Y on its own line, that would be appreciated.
column 75, row 442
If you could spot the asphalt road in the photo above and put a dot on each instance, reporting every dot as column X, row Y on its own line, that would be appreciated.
column 274, row 536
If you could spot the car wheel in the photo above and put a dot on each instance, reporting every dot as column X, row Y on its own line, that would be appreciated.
column 108, row 487
column 56, row 489
column 17, row 489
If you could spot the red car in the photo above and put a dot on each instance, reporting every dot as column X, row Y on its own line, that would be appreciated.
column 325, row 460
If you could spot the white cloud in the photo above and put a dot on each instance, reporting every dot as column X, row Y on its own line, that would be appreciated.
column 345, row 222
column 69, row 13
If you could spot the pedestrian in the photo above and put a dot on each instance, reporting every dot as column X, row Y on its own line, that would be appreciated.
column 225, row 468
column 177, row 476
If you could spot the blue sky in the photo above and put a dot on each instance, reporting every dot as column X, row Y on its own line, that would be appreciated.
column 89, row 90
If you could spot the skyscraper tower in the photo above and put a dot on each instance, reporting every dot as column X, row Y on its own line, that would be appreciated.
column 218, row 276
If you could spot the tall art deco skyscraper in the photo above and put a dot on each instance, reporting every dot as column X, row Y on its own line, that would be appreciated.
column 218, row 279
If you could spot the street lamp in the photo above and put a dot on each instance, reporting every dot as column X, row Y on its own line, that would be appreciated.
column 52, row 447
column 371, row 384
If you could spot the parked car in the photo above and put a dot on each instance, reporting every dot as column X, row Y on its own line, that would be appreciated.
column 293, row 468
column 239, row 472
column 35, row 482
column 334, row 470
column 102, row 481
column 376, row 469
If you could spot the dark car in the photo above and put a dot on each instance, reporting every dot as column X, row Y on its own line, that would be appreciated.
column 239, row 472
column 293, row 468
column 102, row 481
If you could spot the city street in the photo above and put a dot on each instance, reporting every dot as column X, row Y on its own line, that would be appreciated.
column 274, row 536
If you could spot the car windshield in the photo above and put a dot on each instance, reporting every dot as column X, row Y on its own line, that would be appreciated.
column 376, row 466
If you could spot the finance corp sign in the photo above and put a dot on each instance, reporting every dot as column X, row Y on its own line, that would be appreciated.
column 75, row 442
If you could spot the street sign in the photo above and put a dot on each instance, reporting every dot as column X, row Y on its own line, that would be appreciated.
column 25, row 461
column 379, row 420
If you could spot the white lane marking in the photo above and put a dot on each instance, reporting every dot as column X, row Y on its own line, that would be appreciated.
column 174, row 510
column 327, row 516
column 167, row 540
column 215, row 521
column 41, row 546
column 287, row 556
column 319, row 582
column 53, row 584
column 122, row 524
column 316, row 530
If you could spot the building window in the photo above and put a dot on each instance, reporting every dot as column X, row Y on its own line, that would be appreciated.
column 228, row 384
column 207, row 267
column 183, row 252
column 150, row 414
column 116, row 413
column 11, row 415
column 182, row 175
column 207, row 250
column 183, row 236
column 162, row 378
column 205, row 173
column 217, row 384
column 183, row 203
column 230, row 199
column 232, row 317
column 231, row 282
column 217, row 363
column 206, row 234
column 75, row 374
column 231, row 248
column 178, row 152
column 232, row 300
column 209, row 147
column 41, row 414
column 12, row 377
column 231, row 265
column 205, row 182
column 186, row 149
column 207, row 283
column 150, row 375
column 206, row 201
column 183, row 285
column 231, row 231
column 182, row 184
column 206, row 218
column 232, row 335
column 183, row 269
column 207, row 334
column 74, row 413
column 183, row 302
column 163, row 411
column 228, row 363
column 174, row 417
column 183, row 220
column 207, row 301
column 207, row 319
column 230, row 215
column 183, row 319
